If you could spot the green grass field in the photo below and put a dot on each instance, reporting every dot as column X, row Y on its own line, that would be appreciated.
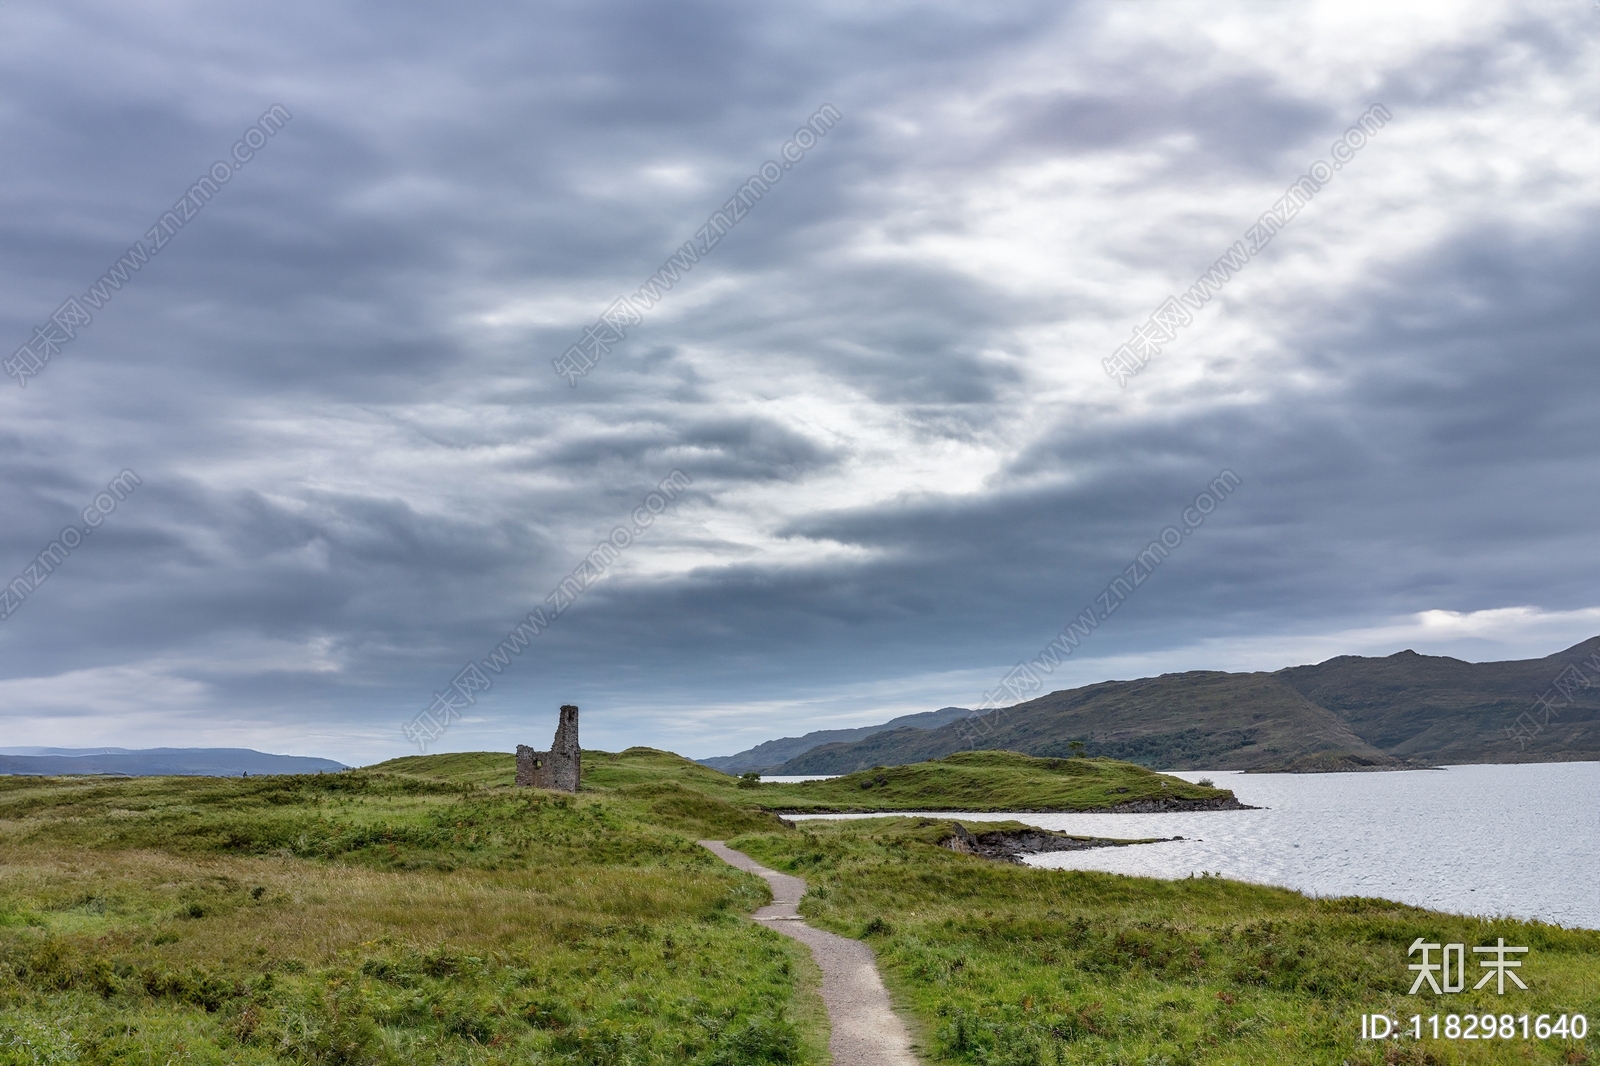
column 373, row 917
column 1009, row 965
column 425, row 911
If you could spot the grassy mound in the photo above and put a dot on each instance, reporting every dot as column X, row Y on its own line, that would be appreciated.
column 968, row 781
column 987, row 781
column 418, row 913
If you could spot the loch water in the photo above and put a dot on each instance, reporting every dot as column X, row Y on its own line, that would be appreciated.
column 1520, row 840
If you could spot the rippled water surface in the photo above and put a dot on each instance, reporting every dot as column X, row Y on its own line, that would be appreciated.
column 1519, row 840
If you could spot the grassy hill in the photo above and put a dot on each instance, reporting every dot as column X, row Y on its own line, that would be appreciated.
column 1448, row 711
column 989, row 781
column 425, row 911
column 1351, row 712
column 661, row 783
column 1204, row 718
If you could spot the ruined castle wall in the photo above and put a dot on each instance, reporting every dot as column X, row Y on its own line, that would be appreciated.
column 559, row 768
column 533, row 768
column 566, row 757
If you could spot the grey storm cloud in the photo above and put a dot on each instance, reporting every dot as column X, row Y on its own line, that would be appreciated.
column 907, row 466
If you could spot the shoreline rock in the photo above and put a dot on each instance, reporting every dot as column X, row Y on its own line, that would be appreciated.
column 1172, row 805
column 1010, row 845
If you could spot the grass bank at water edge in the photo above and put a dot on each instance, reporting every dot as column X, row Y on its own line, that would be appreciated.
column 1012, row 966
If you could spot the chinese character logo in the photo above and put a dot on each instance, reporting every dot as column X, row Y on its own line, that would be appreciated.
column 1450, row 973
column 1500, row 967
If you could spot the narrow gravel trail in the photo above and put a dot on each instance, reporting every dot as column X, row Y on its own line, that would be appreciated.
column 866, row 1030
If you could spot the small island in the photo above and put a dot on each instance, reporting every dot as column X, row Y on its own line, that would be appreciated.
column 986, row 781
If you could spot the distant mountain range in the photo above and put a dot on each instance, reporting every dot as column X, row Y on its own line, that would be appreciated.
column 1351, row 712
column 154, row 762
column 775, row 752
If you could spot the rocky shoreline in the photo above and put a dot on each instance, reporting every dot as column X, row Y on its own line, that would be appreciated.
column 1172, row 805
column 1161, row 805
column 1157, row 805
column 1010, row 845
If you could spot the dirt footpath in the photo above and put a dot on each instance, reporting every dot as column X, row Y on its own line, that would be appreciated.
column 866, row 1030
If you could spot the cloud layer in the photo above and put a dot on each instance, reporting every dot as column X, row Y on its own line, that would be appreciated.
column 908, row 465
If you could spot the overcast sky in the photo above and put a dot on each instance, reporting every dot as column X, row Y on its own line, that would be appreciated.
column 907, row 465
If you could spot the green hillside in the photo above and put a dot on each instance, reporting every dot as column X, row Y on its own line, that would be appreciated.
column 989, row 781
column 1445, row 710
column 1204, row 718
column 967, row 781
column 421, row 913
column 1348, row 713
column 427, row 912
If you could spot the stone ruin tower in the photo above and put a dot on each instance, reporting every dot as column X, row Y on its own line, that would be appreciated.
column 561, row 766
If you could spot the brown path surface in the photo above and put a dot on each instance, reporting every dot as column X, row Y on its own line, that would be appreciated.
column 866, row 1030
